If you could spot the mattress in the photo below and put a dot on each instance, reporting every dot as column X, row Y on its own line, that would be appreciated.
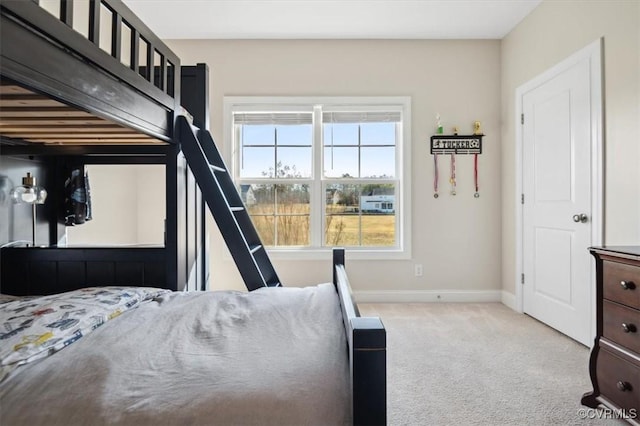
column 272, row 356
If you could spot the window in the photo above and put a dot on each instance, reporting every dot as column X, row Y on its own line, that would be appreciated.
column 322, row 172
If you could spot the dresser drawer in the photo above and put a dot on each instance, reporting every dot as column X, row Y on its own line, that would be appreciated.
column 621, row 283
column 619, row 380
column 621, row 325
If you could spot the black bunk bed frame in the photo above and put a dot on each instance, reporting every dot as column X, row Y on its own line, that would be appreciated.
column 44, row 54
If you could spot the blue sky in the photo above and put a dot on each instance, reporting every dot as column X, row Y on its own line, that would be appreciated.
column 340, row 149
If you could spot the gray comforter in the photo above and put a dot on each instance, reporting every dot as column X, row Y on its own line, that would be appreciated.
column 273, row 356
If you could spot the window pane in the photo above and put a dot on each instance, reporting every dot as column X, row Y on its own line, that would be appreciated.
column 378, row 134
column 295, row 135
column 259, row 199
column 378, row 230
column 342, row 221
column 378, row 162
column 294, row 162
column 360, row 215
column 260, row 134
column 257, row 162
column 340, row 162
column 292, row 209
column 371, row 202
column 280, row 213
column 378, row 208
column 260, row 202
column 265, row 225
column 292, row 199
column 340, row 134
column 342, row 198
column 293, row 231
column 342, row 230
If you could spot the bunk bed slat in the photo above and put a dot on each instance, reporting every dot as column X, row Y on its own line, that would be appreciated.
column 31, row 117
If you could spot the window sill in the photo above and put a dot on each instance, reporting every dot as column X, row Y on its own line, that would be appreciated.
column 352, row 253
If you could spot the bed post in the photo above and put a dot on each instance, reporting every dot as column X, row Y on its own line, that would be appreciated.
column 369, row 372
column 367, row 340
column 338, row 259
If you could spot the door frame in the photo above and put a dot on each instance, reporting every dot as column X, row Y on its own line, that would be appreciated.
column 593, row 52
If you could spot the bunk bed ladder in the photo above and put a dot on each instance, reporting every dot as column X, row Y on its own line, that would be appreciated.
column 226, row 206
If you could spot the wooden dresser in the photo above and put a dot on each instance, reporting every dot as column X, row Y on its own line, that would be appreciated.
column 614, row 365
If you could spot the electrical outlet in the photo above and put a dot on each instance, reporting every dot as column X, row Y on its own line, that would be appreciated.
column 417, row 270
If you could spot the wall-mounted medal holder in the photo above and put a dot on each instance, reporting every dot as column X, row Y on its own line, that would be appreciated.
column 456, row 144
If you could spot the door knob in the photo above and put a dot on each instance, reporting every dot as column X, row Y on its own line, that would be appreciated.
column 580, row 218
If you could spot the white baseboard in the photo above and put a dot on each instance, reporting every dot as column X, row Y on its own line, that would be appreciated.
column 419, row 296
column 509, row 300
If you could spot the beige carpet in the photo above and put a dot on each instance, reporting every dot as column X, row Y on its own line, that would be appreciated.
column 480, row 364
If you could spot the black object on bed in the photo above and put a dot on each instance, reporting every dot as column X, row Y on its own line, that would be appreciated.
column 59, row 91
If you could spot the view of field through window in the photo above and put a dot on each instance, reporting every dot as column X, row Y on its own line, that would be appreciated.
column 355, row 215
column 358, row 181
column 360, row 215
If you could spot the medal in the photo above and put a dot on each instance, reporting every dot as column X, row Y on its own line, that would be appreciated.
column 475, row 175
column 452, row 177
column 435, row 175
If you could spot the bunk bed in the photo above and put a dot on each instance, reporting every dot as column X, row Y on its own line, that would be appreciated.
column 96, row 86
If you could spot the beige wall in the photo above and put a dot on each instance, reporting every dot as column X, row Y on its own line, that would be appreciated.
column 553, row 31
column 457, row 239
column 128, row 204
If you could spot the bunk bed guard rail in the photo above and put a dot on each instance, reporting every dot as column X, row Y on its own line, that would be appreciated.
column 128, row 51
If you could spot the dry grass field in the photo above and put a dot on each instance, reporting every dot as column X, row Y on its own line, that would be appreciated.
column 342, row 229
column 376, row 230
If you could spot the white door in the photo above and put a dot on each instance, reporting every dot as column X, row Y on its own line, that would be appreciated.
column 557, row 212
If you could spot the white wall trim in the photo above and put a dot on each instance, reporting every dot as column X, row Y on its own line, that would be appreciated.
column 593, row 52
column 419, row 296
column 509, row 300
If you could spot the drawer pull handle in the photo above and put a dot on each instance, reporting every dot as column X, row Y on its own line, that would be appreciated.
column 627, row 285
column 628, row 328
column 623, row 386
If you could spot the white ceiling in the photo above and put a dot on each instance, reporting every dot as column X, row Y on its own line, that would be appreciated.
column 332, row 19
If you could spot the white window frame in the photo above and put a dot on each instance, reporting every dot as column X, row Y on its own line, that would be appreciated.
column 402, row 250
